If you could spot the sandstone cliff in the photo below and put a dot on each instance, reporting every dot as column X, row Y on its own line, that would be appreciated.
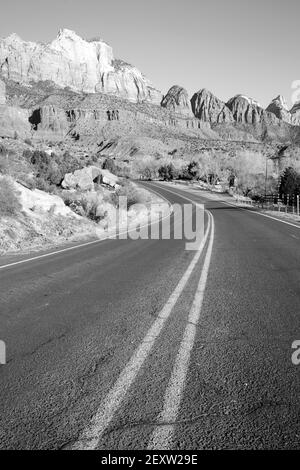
column 248, row 111
column 279, row 107
column 208, row 107
column 70, row 61
column 295, row 114
column 75, row 89
column 177, row 101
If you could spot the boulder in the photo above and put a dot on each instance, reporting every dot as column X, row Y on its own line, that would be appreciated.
column 82, row 179
column 34, row 201
column 109, row 179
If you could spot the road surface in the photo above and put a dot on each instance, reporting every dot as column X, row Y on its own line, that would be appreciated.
column 129, row 344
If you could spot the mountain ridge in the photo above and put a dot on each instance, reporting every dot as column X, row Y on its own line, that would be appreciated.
column 71, row 61
column 67, row 86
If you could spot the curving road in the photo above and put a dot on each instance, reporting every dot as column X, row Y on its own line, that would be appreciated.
column 126, row 344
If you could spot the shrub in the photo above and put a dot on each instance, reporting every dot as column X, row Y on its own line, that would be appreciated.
column 50, row 169
column 9, row 201
column 167, row 172
column 110, row 165
column 90, row 208
column 290, row 182
column 42, row 184
column 84, row 204
column 129, row 191
column 28, row 181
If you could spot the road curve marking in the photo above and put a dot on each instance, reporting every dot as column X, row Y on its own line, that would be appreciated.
column 259, row 213
column 92, row 434
column 178, row 194
column 237, row 207
column 93, row 242
column 162, row 435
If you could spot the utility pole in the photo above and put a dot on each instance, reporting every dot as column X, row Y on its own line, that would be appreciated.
column 280, row 154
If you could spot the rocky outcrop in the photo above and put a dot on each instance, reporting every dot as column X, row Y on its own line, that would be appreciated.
column 177, row 101
column 208, row 107
column 82, row 179
column 40, row 201
column 49, row 120
column 2, row 92
column 109, row 179
column 70, row 61
column 248, row 111
column 295, row 114
column 279, row 107
column 86, row 178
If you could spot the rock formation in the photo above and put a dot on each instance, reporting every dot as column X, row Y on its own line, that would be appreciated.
column 208, row 107
column 39, row 201
column 177, row 101
column 248, row 111
column 73, row 89
column 279, row 107
column 295, row 114
column 49, row 120
column 82, row 179
column 85, row 178
column 70, row 61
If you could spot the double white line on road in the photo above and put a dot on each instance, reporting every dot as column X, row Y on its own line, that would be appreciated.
column 91, row 436
column 163, row 433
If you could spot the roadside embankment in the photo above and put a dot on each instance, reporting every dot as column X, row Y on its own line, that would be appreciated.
column 33, row 220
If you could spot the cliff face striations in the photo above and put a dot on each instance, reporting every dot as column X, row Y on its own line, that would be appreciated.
column 208, row 107
column 177, row 101
column 70, row 61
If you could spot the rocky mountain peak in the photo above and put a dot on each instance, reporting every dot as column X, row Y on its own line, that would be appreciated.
column 12, row 38
column 296, row 107
column 295, row 114
column 282, row 102
column 71, row 61
column 279, row 107
column 208, row 107
column 246, row 110
column 177, row 100
column 68, row 33
column 245, row 99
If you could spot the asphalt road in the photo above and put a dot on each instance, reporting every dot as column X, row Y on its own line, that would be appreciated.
column 127, row 344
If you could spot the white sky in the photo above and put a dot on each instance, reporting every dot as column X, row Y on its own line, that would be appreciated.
column 228, row 46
